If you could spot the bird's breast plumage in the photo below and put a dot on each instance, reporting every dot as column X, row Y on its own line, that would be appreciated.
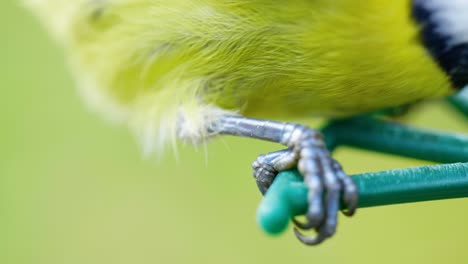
column 155, row 59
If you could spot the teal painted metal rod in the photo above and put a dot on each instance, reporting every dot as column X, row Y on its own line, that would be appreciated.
column 460, row 101
column 287, row 196
column 390, row 137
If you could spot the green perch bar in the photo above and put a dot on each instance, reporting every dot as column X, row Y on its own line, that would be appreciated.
column 460, row 101
column 393, row 138
column 287, row 196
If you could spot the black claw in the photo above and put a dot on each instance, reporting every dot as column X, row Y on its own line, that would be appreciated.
column 262, row 188
column 351, row 205
column 309, row 240
column 349, row 212
column 349, row 190
column 299, row 224
column 264, row 169
column 308, row 225
column 329, row 230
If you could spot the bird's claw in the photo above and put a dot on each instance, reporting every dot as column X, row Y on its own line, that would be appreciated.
column 264, row 174
column 323, row 218
column 349, row 191
column 326, row 182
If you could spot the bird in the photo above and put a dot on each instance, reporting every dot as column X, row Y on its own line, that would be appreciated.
column 193, row 70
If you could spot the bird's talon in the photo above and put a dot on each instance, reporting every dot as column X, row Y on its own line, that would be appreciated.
column 326, row 182
column 309, row 240
column 349, row 190
column 307, row 225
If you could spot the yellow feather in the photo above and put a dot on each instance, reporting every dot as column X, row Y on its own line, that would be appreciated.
column 170, row 68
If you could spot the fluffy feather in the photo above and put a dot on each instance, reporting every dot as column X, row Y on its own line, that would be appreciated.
column 171, row 68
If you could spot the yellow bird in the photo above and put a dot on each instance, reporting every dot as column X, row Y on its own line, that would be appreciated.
column 195, row 69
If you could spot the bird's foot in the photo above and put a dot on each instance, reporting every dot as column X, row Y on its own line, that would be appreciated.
column 326, row 182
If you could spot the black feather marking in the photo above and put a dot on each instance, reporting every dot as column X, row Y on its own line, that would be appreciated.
column 452, row 59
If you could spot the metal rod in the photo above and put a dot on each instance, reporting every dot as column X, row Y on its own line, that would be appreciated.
column 389, row 137
column 287, row 196
column 460, row 101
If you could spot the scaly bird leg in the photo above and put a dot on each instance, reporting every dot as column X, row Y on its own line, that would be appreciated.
column 324, row 178
column 268, row 165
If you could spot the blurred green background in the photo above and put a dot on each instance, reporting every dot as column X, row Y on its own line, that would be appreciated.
column 75, row 189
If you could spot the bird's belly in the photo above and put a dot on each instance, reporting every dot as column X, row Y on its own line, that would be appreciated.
column 328, row 65
column 341, row 95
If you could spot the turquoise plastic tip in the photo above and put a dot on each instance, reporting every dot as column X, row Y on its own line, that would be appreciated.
column 283, row 200
column 287, row 196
